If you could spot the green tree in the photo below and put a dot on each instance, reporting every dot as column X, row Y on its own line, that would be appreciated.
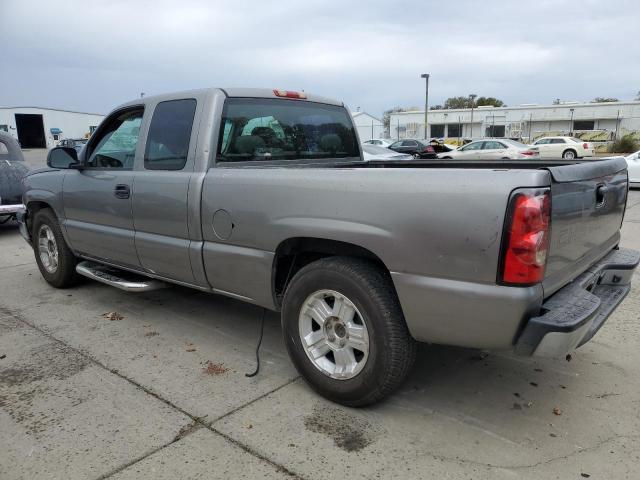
column 465, row 102
column 483, row 101
column 604, row 100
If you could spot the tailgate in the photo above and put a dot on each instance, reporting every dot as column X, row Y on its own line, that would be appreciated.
column 587, row 205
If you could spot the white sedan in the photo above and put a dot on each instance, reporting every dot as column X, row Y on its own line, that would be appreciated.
column 381, row 142
column 563, row 147
column 375, row 152
column 633, row 167
column 493, row 149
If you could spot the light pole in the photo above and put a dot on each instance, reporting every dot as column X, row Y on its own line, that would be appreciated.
column 446, row 126
column 426, row 103
column 472, row 97
column 571, row 132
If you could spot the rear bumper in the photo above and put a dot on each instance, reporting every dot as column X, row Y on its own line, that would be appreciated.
column 11, row 209
column 573, row 315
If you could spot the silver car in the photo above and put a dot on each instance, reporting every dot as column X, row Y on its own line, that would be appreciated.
column 493, row 149
column 375, row 152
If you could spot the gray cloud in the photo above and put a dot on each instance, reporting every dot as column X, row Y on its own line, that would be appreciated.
column 92, row 56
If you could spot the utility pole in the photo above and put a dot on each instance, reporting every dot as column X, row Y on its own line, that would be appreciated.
column 617, row 122
column 571, row 132
column 426, row 105
column 472, row 97
column 445, row 134
column 530, row 119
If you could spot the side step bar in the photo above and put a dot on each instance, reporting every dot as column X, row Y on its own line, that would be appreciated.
column 121, row 279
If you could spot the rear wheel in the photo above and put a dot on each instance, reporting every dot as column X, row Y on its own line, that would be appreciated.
column 55, row 260
column 345, row 332
column 569, row 154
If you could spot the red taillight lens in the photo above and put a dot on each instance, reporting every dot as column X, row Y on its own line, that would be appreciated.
column 289, row 94
column 529, row 153
column 526, row 239
column 428, row 149
column 585, row 146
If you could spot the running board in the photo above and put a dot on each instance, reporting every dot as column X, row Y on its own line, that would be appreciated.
column 121, row 279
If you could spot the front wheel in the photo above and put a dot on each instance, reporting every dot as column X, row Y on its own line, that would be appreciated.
column 55, row 259
column 345, row 332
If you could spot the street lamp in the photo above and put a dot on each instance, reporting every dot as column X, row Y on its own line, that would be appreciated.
column 472, row 97
column 426, row 103
column 571, row 132
column 446, row 126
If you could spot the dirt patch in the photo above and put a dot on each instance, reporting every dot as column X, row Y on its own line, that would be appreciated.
column 211, row 368
column 348, row 432
column 151, row 334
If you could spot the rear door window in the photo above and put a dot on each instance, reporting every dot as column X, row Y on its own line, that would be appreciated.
column 257, row 129
column 169, row 135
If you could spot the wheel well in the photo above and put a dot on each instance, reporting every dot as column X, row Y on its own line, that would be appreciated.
column 33, row 208
column 570, row 150
column 295, row 253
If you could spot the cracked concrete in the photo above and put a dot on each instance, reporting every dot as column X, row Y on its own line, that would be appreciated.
column 85, row 397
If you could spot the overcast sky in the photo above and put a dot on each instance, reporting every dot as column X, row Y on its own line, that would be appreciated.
column 91, row 56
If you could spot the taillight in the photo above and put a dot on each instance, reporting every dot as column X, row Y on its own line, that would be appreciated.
column 526, row 237
column 585, row 146
column 428, row 149
column 529, row 153
column 289, row 94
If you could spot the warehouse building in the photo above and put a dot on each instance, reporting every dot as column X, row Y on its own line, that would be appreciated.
column 368, row 126
column 597, row 121
column 36, row 127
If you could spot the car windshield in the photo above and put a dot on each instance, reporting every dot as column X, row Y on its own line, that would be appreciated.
column 276, row 129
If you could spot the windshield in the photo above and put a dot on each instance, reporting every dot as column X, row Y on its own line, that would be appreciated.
column 255, row 129
column 513, row 143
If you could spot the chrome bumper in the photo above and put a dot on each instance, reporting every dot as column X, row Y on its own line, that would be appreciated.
column 11, row 209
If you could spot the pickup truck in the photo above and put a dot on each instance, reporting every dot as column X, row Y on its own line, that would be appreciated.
column 264, row 196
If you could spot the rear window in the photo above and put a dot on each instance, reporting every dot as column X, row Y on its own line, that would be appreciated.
column 275, row 129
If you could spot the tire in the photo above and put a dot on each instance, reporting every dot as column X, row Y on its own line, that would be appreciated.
column 367, row 293
column 47, row 235
column 446, row 158
column 569, row 154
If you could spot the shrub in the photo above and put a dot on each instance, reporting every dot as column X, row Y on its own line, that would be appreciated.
column 625, row 144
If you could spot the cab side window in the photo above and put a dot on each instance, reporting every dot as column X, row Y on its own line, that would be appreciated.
column 169, row 134
column 115, row 145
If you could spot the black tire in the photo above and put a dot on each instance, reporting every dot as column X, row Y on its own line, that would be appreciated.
column 569, row 154
column 446, row 158
column 392, row 350
column 64, row 275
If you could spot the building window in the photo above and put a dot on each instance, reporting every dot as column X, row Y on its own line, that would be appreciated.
column 412, row 130
column 437, row 130
column 495, row 131
column 583, row 124
column 454, row 130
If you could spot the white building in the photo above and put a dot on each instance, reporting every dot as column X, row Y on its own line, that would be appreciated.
column 368, row 126
column 602, row 120
column 36, row 127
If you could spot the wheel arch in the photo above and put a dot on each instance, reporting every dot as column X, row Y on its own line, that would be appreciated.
column 294, row 253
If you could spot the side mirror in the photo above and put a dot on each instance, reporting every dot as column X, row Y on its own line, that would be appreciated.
column 62, row 157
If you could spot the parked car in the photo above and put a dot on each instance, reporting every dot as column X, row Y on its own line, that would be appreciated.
column 12, row 170
column 633, row 166
column 564, row 147
column 374, row 152
column 441, row 147
column 381, row 142
column 361, row 259
column 77, row 143
column 493, row 149
column 417, row 148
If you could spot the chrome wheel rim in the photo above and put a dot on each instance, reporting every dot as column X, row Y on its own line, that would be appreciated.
column 569, row 155
column 48, row 249
column 334, row 334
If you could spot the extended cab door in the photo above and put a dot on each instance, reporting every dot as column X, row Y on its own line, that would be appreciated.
column 545, row 148
column 161, row 190
column 97, row 198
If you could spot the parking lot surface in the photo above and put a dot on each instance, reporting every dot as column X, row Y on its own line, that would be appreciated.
column 162, row 393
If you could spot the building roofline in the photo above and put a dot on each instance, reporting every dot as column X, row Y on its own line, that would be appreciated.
column 355, row 114
column 51, row 109
column 520, row 107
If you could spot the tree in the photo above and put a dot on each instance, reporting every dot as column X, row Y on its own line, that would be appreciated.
column 465, row 102
column 638, row 96
column 604, row 100
column 482, row 101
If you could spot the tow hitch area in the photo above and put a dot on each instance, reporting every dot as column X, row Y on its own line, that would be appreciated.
column 573, row 315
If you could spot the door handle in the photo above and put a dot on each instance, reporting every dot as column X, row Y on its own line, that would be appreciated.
column 122, row 191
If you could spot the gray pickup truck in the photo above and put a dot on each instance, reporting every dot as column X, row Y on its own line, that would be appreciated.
column 263, row 195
